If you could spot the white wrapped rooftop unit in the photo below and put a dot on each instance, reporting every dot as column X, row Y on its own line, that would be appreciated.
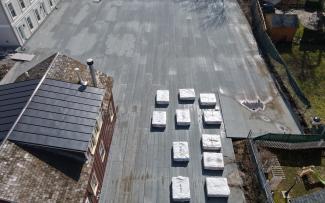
column 181, row 151
column 159, row 119
column 181, row 189
column 183, row 117
column 213, row 161
column 208, row 99
column 162, row 97
column 211, row 142
column 217, row 187
column 187, row 94
column 212, row 117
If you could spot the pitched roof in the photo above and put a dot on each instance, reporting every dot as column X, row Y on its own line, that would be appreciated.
column 60, row 115
column 13, row 98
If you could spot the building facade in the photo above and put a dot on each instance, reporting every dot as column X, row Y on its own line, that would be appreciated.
column 100, row 154
column 19, row 19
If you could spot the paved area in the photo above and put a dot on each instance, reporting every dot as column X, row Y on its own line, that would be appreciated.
column 154, row 44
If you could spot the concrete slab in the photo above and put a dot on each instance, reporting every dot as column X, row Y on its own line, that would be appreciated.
column 186, row 94
column 181, row 189
column 211, row 142
column 213, row 161
column 181, row 151
column 217, row 187
column 162, row 97
column 212, row 117
column 183, row 117
column 159, row 119
column 208, row 99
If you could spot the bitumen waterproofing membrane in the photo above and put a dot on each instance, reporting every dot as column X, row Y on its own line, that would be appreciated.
column 148, row 45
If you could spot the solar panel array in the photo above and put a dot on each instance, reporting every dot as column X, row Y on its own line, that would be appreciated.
column 61, row 115
column 13, row 98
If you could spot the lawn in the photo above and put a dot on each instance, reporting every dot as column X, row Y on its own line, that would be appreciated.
column 292, row 163
column 306, row 62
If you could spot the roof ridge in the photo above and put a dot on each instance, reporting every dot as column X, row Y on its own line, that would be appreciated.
column 28, row 102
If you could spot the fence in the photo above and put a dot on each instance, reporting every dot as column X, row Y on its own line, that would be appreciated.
column 268, row 48
column 264, row 184
column 290, row 138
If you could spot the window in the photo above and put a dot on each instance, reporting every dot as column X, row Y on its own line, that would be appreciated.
column 94, row 183
column 37, row 15
column 12, row 10
column 42, row 8
column 21, row 32
column 22, row 4
column 95, row 135
column 30, row 23
column 102, row 150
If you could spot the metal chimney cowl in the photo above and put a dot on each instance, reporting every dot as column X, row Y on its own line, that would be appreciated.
column 90, row 63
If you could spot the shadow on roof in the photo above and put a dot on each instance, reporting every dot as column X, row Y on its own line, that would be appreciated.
column 69, row 166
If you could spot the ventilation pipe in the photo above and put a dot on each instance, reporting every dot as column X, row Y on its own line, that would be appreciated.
column 82, row 82
column 90, row 63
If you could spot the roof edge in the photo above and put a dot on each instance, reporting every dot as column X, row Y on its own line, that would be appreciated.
column 28, row 102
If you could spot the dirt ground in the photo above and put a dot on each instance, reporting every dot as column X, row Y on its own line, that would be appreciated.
column 251, row 187
column 5, row 66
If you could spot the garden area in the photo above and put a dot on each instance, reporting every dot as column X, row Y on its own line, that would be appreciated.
column 305, row 58
column 304, row 169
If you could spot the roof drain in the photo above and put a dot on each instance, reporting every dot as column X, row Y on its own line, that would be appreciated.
column 255, row 106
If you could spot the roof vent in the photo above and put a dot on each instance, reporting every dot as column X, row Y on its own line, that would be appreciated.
column 81, row 81
column 90, row 63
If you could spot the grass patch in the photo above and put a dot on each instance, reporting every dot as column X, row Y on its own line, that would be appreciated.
column 292, row 163
column 307, row 64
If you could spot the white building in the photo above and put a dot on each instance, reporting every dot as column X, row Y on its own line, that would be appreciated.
column 19, row 19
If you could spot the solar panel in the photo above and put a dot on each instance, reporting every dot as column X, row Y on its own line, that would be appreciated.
column 59, row 115
column 73, row 86
column 68, row 98
column 19, row 85
column 88, row 95
column 13, row 98
column 45, row 131
column 51, row 142
column 62, row 110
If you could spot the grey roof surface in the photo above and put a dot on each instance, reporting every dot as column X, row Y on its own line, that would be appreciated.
column 58, row 116
column 13, row 98
column 280, row 20
column 315, row 197
column 147, row 45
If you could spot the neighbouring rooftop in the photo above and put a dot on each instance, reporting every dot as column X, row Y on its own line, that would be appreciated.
column 48, row 118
